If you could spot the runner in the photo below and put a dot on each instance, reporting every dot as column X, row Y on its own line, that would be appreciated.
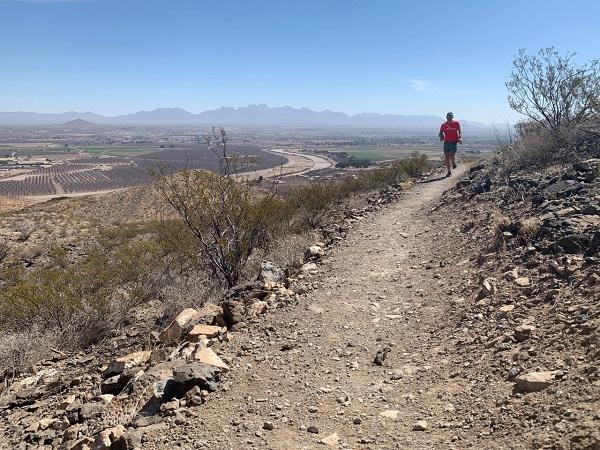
column 450, row 134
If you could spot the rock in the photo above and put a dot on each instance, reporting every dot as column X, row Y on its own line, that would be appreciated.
column 523, row 332
column 268, row 426
column 381, row 355
column 566, row 212
column 211, row 313
column 534, row 381
column 506, row 308
column 421, row 425
column 271, row 274
column 118, row 365
column 196, row 374
column 196, row 333
column 488, row 288
column 233, row 311
column 90, row 410
column 108, row 437
column 257, row 308
column 308, row 267
column 312, row 429
column 313, row 253
column 522, row 282
column 390, row 414
column 205, row 355
column 66, row 402
column 332, row 440
column 193, row 397
column 175, row 329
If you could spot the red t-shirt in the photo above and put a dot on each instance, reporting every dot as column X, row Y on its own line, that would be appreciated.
column 451, row 131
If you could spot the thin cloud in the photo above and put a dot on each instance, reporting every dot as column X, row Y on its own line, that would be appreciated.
column 418, row 85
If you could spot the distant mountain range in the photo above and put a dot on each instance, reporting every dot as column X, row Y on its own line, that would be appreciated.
column 250, row 116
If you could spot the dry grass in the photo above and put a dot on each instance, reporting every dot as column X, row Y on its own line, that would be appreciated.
column 529, row 228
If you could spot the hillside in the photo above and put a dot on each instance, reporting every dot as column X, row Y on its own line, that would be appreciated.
column 462, row 313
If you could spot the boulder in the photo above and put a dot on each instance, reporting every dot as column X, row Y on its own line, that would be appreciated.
column 175, row 329
column 534, row 381
column 271, row 274
column 196, row 374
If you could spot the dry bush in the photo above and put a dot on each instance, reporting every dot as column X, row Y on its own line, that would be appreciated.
column 555, row 92
column 312, row 203
column 189, row 290
column 413, row 166
column 19, row 350
column 226, row 219
column 529, row 228
column 502, row 224
column 82, row 302
column 288, row 250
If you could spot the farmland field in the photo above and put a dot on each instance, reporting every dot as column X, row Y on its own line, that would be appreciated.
column 95, row 173
column 380, row 153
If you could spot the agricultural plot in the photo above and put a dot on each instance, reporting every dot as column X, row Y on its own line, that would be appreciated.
column 93, row 173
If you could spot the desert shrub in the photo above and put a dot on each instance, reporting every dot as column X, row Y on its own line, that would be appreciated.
column 415, row 165
column 502, row 224
column 555, row 92
column 19, row 350
column 312, row 203
column 528, row 228
column 83, row 301
column 227, row 219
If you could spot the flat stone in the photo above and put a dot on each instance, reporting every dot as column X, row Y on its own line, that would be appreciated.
column 175, row 329
column 522, row 282
column 566, row 212
column 205, row 355
column 210, row 331
column 332, row 440
column 534, row 381
column 390, row 414
column 506, row 308
column 122, row 363
column 308, row 267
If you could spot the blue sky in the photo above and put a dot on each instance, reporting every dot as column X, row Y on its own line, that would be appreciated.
column 388, row 56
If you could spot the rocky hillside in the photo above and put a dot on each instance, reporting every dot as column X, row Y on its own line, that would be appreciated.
column 462, row 313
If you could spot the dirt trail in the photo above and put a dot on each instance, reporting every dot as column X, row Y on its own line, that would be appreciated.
column 311, row 365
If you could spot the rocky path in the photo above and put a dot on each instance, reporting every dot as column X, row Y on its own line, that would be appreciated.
column 305, row 377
